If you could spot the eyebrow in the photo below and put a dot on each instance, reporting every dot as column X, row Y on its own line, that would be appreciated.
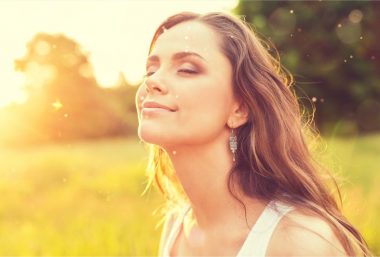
column 176, row 56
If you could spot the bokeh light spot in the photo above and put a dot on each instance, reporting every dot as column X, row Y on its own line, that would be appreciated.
column 57, row 104
column 355, row 16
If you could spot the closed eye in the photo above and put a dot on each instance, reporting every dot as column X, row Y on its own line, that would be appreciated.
column 149, row 74
column 188, row 71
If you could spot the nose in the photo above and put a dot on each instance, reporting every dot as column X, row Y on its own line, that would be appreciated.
column 154, row 84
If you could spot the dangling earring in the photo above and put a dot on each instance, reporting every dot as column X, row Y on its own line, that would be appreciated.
column 233, row 143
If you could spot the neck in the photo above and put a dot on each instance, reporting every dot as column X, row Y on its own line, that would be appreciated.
column 204, row 174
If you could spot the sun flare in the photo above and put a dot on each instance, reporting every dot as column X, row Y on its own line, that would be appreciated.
column 115, row 34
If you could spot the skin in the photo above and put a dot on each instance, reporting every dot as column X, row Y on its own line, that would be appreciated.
column 197, row 85
column 198, row 88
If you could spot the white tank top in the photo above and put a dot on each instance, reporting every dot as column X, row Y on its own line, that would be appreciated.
column 258, row 238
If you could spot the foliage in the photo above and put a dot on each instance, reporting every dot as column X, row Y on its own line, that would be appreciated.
column 65, row 101
column 332, row 50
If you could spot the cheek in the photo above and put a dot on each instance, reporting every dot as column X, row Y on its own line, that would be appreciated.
column 211, row 102
column 204, row 113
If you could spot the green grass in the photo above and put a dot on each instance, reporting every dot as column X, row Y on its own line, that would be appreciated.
column 356, row 161
column 77, row 199
column 85, row 198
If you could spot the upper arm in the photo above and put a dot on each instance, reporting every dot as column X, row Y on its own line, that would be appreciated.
column 299, row 234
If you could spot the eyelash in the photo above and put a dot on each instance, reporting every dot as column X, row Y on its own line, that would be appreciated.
column 148, row 74
column 188, row 71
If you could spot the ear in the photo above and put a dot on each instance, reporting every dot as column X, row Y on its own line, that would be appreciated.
column 238, row 116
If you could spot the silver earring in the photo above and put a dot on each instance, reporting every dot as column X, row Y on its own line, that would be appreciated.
column 233, row 144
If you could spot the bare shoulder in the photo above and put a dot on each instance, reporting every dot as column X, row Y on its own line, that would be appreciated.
column 302, row 233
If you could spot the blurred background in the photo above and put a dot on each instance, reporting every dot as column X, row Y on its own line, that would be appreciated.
column 72, row 170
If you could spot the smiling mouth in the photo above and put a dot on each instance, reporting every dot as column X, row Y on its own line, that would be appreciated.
column 157, row 108
column 149, row 110
column 155, row 105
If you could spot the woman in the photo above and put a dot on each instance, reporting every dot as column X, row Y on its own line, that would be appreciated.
column 227, row 148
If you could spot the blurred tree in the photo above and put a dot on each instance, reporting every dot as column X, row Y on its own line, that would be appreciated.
column 65, row 101
column 122, row 97
column 332, row 50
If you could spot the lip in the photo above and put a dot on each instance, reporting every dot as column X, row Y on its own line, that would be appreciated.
column 154, row 105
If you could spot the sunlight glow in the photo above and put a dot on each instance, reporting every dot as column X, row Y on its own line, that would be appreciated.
column 115, row 34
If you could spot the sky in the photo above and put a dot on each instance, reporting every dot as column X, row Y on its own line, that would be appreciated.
column 115, row 33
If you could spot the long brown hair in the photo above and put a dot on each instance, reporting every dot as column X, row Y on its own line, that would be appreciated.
column 273, row 161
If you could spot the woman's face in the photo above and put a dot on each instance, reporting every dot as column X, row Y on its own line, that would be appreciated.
column 188, row 74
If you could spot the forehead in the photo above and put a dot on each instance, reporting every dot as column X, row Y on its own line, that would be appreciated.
column 191, row 36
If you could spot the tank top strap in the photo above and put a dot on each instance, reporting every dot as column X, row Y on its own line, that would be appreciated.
column 257, row 241
column 173, row 234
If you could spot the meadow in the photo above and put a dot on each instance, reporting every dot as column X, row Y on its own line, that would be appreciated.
column 85, row 198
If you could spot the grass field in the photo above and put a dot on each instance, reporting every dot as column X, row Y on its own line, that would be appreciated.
column 356, row 163
column 85, row 198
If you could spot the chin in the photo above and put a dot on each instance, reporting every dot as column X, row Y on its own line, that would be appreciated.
column 164, row 140
column 151, row 136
